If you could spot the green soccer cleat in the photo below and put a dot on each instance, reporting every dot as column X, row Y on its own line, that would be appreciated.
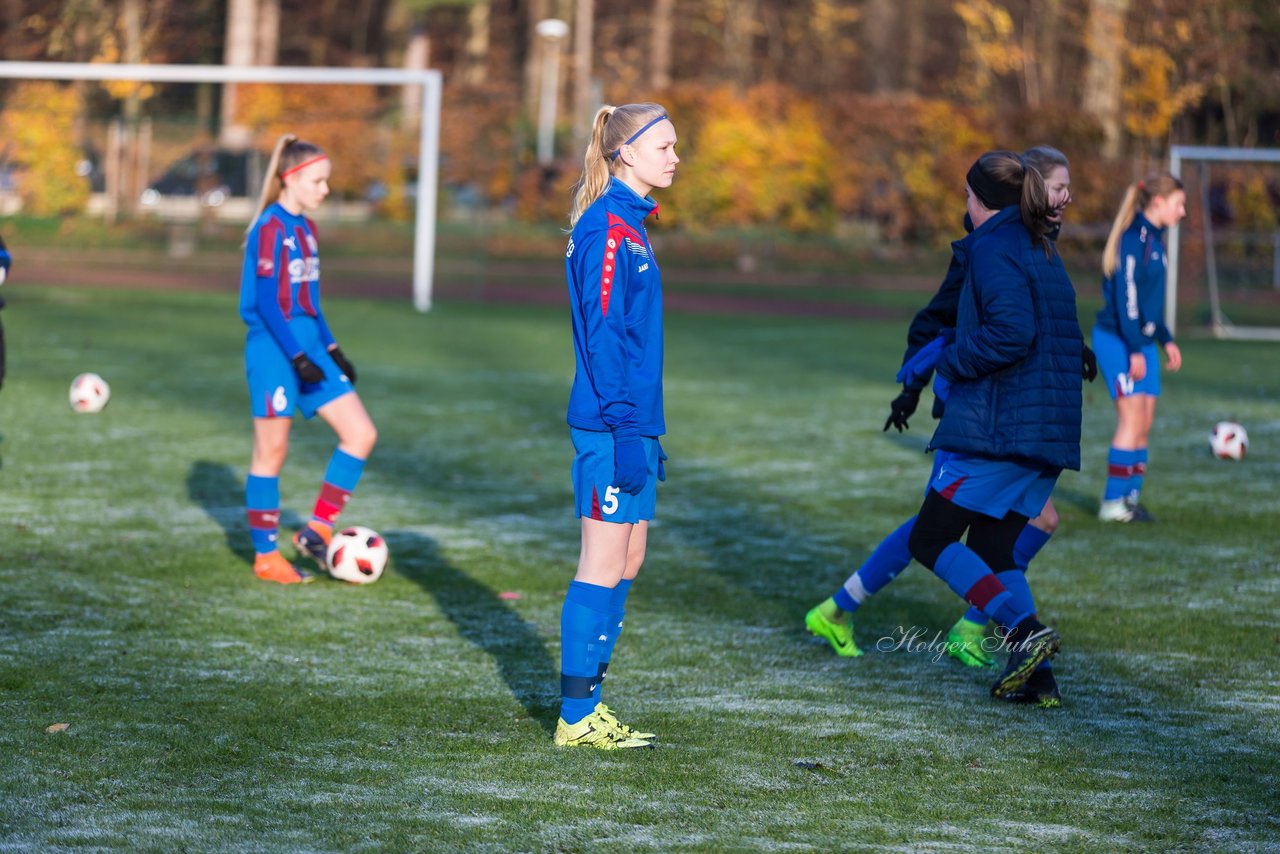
column 1026, row 656
column 595, row 731
column 965, row 644
column 629, row 732
column 838, row 634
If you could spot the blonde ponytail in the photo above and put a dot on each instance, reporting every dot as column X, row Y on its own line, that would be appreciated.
column 1136, row 197
column 288, row 153
column 610, row 130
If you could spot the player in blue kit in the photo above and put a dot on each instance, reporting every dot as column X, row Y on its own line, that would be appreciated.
column 1011, row 383
column 615, row 406
column 292, row 362
column 5, row 260
column 1130, row 325
column 966, row 640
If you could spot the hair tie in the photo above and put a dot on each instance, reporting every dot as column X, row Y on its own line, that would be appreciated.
column 303, row 165
column 636, row 135
column 1142, row 185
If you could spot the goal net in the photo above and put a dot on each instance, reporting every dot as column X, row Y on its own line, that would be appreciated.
column 1225, row 255
column 179, row 152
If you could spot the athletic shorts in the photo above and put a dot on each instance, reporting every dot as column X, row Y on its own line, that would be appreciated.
column 274, row 388
column 994, row 487
column 1113, row 366
column 594, row 495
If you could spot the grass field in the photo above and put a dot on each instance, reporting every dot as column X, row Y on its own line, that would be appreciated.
column 209, row 711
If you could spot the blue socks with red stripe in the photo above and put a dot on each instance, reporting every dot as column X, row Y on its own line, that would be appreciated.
column 1029, row 544
column 340, row 479
column 970, row 578
column 1139, row 472
column 889, row 558
column 617, row 611
column 1121, row 467
column 262, row 505
column 583, row 632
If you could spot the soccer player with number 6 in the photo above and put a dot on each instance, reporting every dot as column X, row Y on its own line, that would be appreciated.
column 615, row 406
column 292, row 362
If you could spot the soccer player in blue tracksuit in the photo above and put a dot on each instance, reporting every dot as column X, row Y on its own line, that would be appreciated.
column 1011, row 383
column 615, row 406
column 5, row 260
column 292, row 362
column 1129, row 326
column 831, row 619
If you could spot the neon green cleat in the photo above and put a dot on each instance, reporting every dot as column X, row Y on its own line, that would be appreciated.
column 594, row 731
column 965, row 644
column 837, row 633
column 629, row 732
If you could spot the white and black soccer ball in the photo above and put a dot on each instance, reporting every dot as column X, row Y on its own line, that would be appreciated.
column 358, row 555
column 89, row 393
column 1228, row 441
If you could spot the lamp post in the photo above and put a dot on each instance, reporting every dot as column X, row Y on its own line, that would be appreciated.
column 552, row 30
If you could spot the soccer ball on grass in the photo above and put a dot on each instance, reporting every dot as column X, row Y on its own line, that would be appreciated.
column 357, row 554
column 89, row 393
column 1228, row 441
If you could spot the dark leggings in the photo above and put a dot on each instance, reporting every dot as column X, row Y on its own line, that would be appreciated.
column 941, row 523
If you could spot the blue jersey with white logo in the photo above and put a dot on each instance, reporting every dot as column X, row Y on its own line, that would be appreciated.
column 280, row 283
column 615, row 296
column 1133, row 296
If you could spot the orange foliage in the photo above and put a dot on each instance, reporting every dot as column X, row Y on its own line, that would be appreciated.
column 36, row 126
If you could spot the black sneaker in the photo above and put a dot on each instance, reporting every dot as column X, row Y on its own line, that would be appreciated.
column 1040, row 690
column 1140, row 513
column 1028, row 651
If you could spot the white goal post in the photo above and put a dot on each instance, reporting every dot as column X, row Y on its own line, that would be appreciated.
column 428, row 144
column 1221, row 325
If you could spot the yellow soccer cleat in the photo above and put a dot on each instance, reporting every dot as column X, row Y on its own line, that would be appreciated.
column 595, row 731
column 629, row 732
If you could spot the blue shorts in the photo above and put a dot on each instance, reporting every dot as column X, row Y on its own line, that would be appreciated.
column 994, row 487
column 1113, row 366
column 274, row 388
column 594, row 496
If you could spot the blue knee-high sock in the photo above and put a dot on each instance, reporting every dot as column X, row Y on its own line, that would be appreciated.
column 1029, row 544
column 262, row 505
column 1120, row 465
column 1139, row 472
column 617, row 611
column 889, row 558
column 970, row 578
column 1015, row 581
column 340, row 479
column 584, row 615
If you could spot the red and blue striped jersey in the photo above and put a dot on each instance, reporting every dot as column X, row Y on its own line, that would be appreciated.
column 280, row 282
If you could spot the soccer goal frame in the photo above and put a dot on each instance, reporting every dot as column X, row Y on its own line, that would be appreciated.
column 424, row 237
column 1220, row 324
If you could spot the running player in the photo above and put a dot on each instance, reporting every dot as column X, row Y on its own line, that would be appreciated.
column 1129, row 326
column 292, row 362
column 615, row 407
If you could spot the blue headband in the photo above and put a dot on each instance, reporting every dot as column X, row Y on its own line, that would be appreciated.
column 637, row 134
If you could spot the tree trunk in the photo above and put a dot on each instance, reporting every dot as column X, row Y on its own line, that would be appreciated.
column 583, row 93
column 535, row 11
column 268, row 51
column 241, row 43
column 739, row 35
column 660, row 44
column 1103, row 81
column 879, row 44
column 476, row 67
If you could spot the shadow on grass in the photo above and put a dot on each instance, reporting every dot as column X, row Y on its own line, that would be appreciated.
column 219, row 491
column 487, row 621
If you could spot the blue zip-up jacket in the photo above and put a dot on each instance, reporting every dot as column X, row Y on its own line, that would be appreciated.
column 1015, row 363
column 1133, row 296
column 615, row 296
column 280, row 282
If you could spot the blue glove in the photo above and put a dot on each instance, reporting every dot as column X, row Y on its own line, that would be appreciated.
column 662, row 457
column 630, row 468
column 941, row 387
column 925, row 358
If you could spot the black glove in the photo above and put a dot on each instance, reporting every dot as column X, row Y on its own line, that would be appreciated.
column 1089, row 364
column 344, row 364
column 903, row 407
column 308, row 371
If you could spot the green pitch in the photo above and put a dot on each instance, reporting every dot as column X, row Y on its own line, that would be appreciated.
column 206, row 710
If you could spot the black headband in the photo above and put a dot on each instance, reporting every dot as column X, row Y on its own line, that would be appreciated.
column 994, row 195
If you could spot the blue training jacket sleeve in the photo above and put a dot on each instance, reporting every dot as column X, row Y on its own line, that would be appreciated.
column 1124, row 292
column 601, row 301
column 267, row 290
column 939, row 314
column 1007, row 327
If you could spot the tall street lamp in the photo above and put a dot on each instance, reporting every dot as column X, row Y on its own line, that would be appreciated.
column 553, row 31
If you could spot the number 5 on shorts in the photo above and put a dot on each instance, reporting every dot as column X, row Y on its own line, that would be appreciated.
column 610, row 505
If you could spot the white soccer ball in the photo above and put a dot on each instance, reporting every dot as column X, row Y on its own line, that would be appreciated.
column 1228, row 441
column 89, row 393
column 358, row 555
